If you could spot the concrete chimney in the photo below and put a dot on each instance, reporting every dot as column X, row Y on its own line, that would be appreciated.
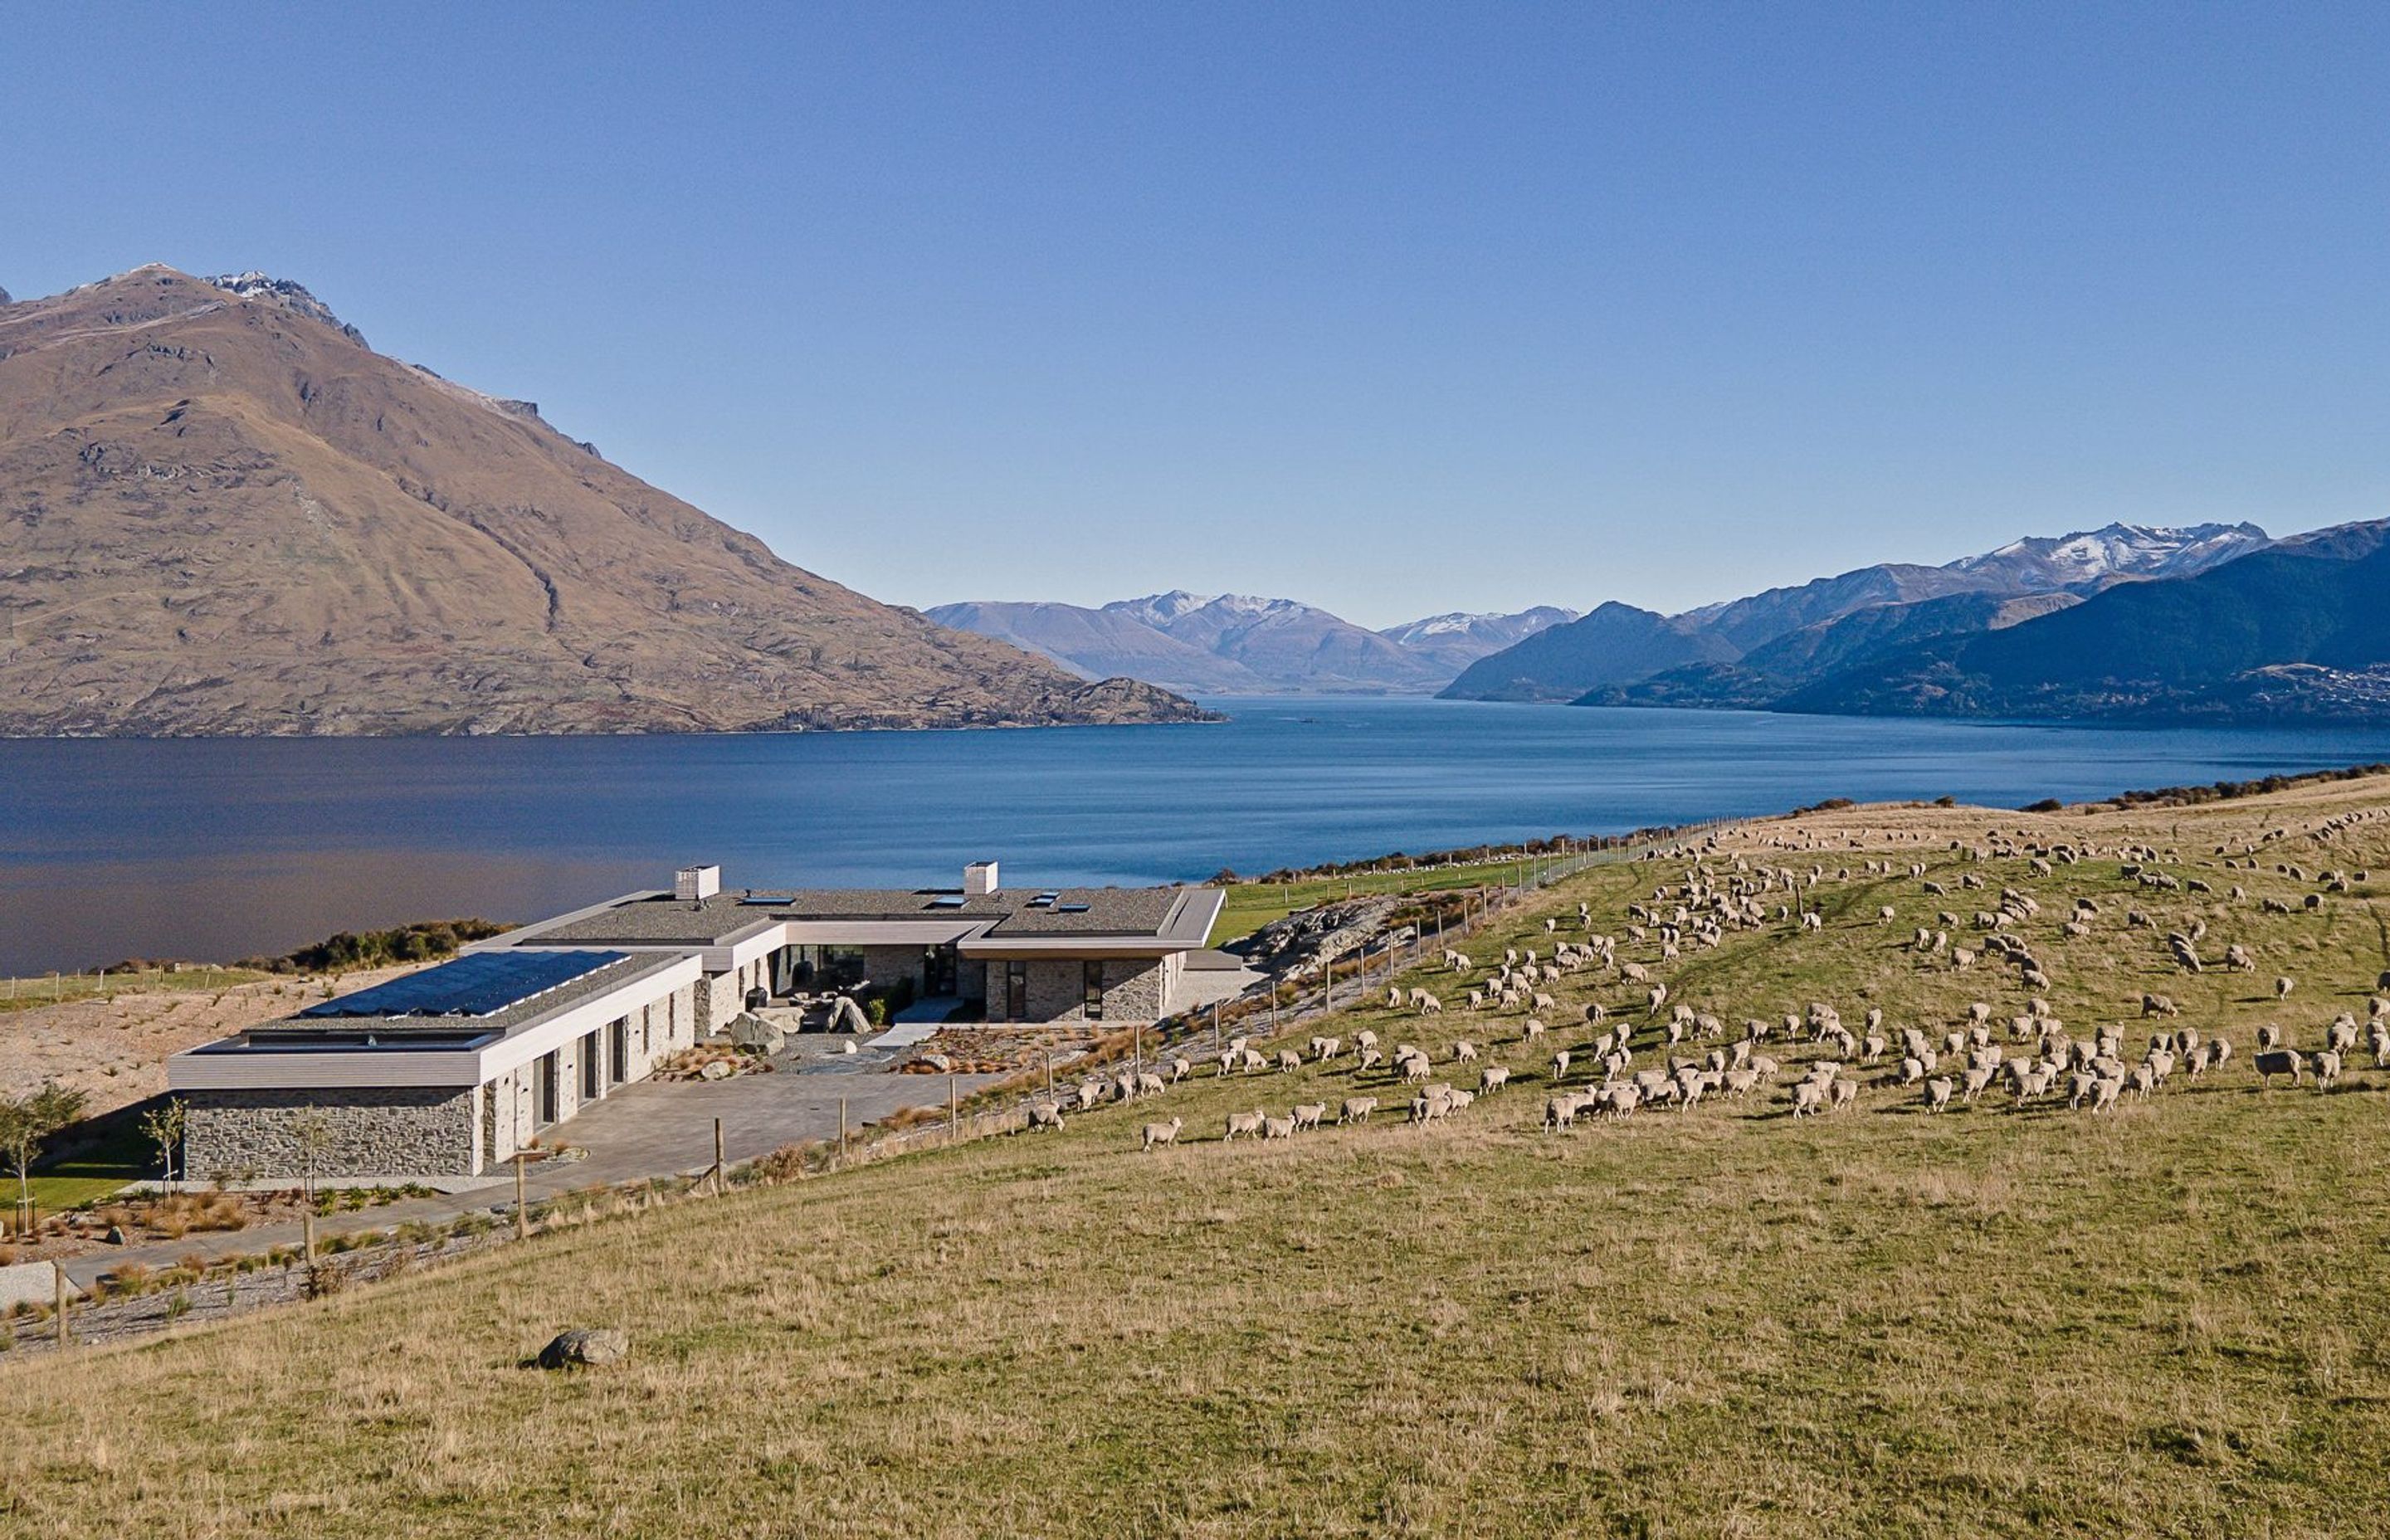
column 695, row 884
column 979, row 879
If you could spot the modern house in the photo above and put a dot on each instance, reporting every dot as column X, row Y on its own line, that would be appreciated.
column 452, row 1069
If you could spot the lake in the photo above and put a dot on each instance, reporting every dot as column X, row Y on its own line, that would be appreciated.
column 216, row 849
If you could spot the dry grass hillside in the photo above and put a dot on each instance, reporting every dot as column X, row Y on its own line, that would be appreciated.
column 2005, row 1318
column 223, row 513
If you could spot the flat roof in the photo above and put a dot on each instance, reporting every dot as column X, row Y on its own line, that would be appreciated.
column 660, row 919
column 394, row 1031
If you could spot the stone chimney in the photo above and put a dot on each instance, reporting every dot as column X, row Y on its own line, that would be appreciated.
column 979, row 879
column 696, row 884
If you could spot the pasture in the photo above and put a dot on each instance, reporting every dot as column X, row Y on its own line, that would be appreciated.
column 2004, row 1318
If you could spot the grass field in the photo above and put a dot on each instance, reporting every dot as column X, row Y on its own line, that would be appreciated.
column 1250, row 906
column 2005, row 1320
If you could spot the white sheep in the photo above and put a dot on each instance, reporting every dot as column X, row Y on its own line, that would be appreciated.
column 1163, row 1133
column 1307, row 1114
column 1242, row 1122
column 1356, row 1109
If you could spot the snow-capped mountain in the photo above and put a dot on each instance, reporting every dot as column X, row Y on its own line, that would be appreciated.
column 1239, row 644
column 2093, row 559
column 1456, row 640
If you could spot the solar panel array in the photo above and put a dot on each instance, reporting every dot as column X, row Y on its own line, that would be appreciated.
column 478, row 984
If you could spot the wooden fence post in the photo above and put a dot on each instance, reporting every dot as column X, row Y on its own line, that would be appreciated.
column 841, row 1125
column 522, row 1208
column 954, row 1108
column 66, row 1338
column 718, row 1174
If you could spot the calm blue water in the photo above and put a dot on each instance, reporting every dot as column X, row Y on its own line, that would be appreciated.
column 217, row 849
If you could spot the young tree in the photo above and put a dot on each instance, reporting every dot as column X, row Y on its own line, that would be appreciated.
column 164, row 1125
column 25, row 1122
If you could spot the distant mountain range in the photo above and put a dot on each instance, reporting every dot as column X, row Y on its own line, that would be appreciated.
column 222, row 513
column 1751, row 651
column 1234, row 644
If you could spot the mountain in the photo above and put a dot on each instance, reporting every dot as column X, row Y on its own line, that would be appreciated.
column 1101, row 644
column 1618, row 644
column 2293, row 632
column 222, row 513
column 1235, row 643
column 1453, row 642
column 1762, row 676
column 1292, row 645
column 1568, row 662
column 2086, row 563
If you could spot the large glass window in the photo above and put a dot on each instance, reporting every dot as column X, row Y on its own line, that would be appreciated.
column 820, row 967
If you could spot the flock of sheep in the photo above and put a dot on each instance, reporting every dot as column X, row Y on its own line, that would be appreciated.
column 1648, row 1050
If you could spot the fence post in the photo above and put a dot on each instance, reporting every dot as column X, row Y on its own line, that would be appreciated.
column 842, row 1120
column 954, row 1108
column 66, row 1338
column 522, row 1210
column 718, row 1173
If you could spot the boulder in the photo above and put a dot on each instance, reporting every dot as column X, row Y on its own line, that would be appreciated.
column 714, row 1070
column 754, row 1034
column 585, row 1347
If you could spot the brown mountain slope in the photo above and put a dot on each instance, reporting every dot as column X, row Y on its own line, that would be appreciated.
column 223, row 514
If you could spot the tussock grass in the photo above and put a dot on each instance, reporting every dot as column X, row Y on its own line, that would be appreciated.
column 1994, row 1321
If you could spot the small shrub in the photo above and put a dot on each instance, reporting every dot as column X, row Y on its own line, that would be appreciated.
column 179, row 1306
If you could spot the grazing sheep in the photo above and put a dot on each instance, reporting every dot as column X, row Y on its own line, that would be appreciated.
column 1323, row 1049
column 1151, row 1085
column 1464, row 1052
column 1356, row 1109
column 2157, row 1005
column 1255, row 1062
column 2278, row 1062
column 1491, row 1079
column 1807, row 1095
column 1307, row 1114
column 2282, row 988
column 1045, row 1115
column 2269, row 1037
column 1277, row 1128
column 1393, row 997
column 1180, row 1066
column 1844, row 1093
column 1365, row 1039
column 1163, row 1133
column 1937, row 1092
column 1368, row 1060
column 2326, row 1069
column 1288, row 1061
column 1416, row 1070
column 1561, row 1064
column 1242, row 1122
column 1530, row 1029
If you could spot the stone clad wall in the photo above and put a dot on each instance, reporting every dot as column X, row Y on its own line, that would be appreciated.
column 884, row 964
column 373, row 1131
column 1135, row 989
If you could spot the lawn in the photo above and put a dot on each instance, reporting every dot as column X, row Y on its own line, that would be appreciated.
column 2003, row 1319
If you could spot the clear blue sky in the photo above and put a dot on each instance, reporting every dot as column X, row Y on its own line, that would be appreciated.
column 1395, row 308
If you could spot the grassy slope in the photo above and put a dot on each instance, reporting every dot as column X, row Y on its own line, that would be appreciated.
column 1250, row 906
column 1994, row 1321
